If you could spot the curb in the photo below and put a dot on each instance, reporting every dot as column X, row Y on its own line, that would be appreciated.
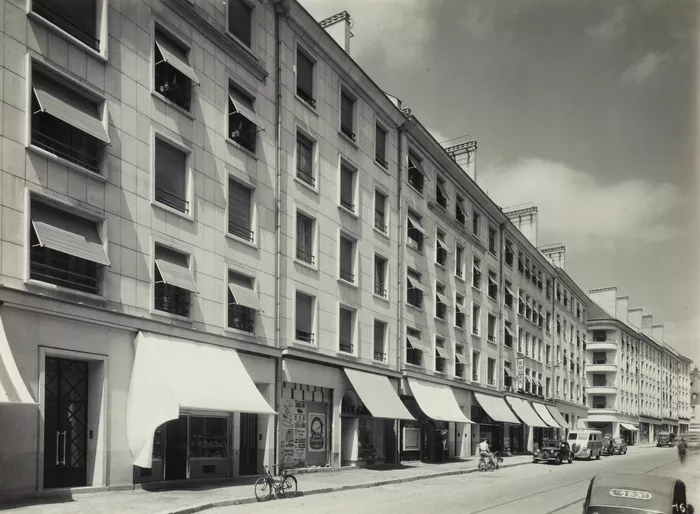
column 325, row 490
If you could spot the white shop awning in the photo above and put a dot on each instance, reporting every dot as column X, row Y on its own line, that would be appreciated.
column 437, row 401
column 557, row 416
column 496, row 408
column 525, row 413
column 379, row 397
column 629, row 427
column 12, row 387
column 171, row 374
column 541, row 409
column 176, row 58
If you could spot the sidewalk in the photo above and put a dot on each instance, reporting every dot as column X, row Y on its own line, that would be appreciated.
column 195, row 499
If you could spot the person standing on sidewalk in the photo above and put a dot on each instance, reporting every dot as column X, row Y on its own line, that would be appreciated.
column 682, row 450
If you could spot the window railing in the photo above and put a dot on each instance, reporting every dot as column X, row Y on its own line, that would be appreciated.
column 306, row 96
column 63, row 270
column 379, row 356
column 346, row 346
column 347, row 204
column 347, row 276
column 305, row 255
column 414, row 356
column 306, row 176
column 491, row 338
column 439, row 364
column 415, row 179
column 171, row 200
column 171, row 299
column 379, row 289
column 303, row 335
column 379, row 220
column 241, row 318
column 414, row 297
column 65, row 151
column 347, row 131
column 381, row 160
column 43, row 9
column 440, row 310
column 240, row 231
column 459, row 370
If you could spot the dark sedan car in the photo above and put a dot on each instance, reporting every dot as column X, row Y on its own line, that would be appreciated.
column 553, row 451
column 619, row 447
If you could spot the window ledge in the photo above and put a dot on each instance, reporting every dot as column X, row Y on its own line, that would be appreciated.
column 306, row 264
column 168, row 315
column 251, row 244
column 457, row 327
column 413, row 307
column 440, row 265
column 183, row 215
column 65, row 162
column 307, row 105
column 94, row 53
column 493, row 299
column 385, row 169
column 380, row 362
column 247, row 336
column 494, row 343
column 383, row 234
column 169, row 103
column 414, row 366
column 382, row 298
column 420, row 192
column 348, row 139
column 348, row 212
column 33, row 283
column 415, row 249
column 458, row 277
column 476, row 288
column 241, row 44
column 306, row 185
column 354, row 285
column 474, row 334
column 303, row 343
column 441, row 320
column 493, row 254
column 346, row 354
column 240, row 147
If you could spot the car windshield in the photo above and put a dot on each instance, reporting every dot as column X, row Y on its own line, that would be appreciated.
column 551, row 442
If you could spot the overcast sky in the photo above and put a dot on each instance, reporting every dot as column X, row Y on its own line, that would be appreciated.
column 585, row 108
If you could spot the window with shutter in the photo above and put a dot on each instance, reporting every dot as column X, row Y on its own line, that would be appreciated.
column 347, row 250
column 239, row 210
column 305, row 239
column 240, row 20
column 305, row 78
column 380, row 145
column 347, row 114
column 305, row 160
column 347, row 193
column 171, row 176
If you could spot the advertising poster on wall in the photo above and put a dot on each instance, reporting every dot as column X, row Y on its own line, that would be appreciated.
column 293, row 425
column 521, row 374
column 317, row 432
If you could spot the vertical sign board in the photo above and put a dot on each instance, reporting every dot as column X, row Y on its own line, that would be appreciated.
column 521, row 374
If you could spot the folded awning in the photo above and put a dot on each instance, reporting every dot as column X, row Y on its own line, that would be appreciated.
column 12, row 387
column 415, row 284
column 525, row 413
column 376, row 393
column 492, row 281
column 461, row 308
column 557, row 416
column 442, row 353
column 174, row 270
column 443, row 299
column 460, row 358
column 496, row 408
column 528, row 379
column 629, row 427
column 509, row 331
column 537, row 381
column 171, row 374
column 415, row 163
column 541, row 409
column 419, row 344
column 415, row 224
column 176, row 58
column 443, row 245
column 508, row 372
column 67, row 233
column 476, row 270
column 244, row 294
column 437, row 401
column 509, row 290
column 244, row 107
column 69, row 107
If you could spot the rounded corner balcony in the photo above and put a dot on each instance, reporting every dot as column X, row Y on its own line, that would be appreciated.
column 601, row 366
column 601, row 389
column 601, row 346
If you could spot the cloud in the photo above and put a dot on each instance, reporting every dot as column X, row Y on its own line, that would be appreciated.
column 477, row 20
column 683, row 336
column 581, row 212
column 610, row 28
column 643, row 69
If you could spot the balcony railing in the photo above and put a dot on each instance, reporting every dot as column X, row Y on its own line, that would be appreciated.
column 306, row 176
column 305, row 256
column 379, row 221
column 171, row 200
column 241, row 318
column 64, row 270
column 379, row 356
column 346, row 346
column 346, row 203
column 381, row 160
column 379, row 289
column 303, row 335
column 65, row 151
column 240, row 231
column 347, row 276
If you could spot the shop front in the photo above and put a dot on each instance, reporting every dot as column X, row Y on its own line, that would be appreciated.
column 531, row 429
column 493, row 422
column 648, row 428
column 563, row 423
column 553, row 428
column 628, row 433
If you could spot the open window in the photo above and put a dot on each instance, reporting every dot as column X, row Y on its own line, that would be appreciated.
column 416, row 174
column 78, row 18
column 171, row 179
column 243, row 302
column 416, row 232
column 243, row 122
column 240, row 21
column 174, row 77
column 174, row 282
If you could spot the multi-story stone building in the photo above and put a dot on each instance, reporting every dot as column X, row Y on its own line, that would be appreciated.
column 637, row 385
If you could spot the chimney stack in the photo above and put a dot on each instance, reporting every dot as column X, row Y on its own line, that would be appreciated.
column 622, row 308
column 646, row 324
column 556, row 254
column 634, row 317
column 606, row 298
column 339, row 26
column 524, row 217
column 657, row 332
column 463, row 151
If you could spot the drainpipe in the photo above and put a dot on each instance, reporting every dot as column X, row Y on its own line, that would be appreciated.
column 399, row 271
column 553, row 332
column 501, row 320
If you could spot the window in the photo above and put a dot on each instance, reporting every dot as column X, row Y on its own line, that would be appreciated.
column 240, row 21
column 491, row 327
column 66, row 123
column 416, row 176
column 305, row 239
column 416, row 232
column 347, row 187
column 508, row 294
column 521, row 303
column 548, row 387
column 549, row 289
column 548, row 322
column 539, row 280
column 173, row 282
column 459, row 211
column 527, row 268
column 380, row 334
column 476, row 273
column 599, row 336
column 380, row 144
column 65, row 249
column 304, row 330
column 491, row 371
column 558, row 325
column 441, row 302
column 305, row 171
column 521, row 339
column 171, row 176
column 380, row 221
column 347, row 114
column 493, row 285
column 240, row 210
column 242, row 302
column 79, row 19
column 460, row 361
column 476, row 221
column 492, row 240
column 305, row 77
column 476, row 368
column 509, row 254
column 527, row 343
column 414, row 347
column 380, row 276
column 460, row 313
column 476, row 319
column 174, row 77
column 347, row 259
column 243, row 122
column 346, row 325
column 414, row 288
column 539, row 384
column 441, row 250
column 459, row 262
column 441, row 192
column 507, row 375
column 440, row 354
column 521, row 263
column 528, row 381
column 548, row 354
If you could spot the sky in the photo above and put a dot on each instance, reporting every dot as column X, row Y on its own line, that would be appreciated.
column 585, row 108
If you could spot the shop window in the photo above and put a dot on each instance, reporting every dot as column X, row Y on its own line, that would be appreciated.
column 240, row 21
column 380, row 144
column 208, row 438
column 346, row 259
column 305, row 171
column 305, row 307
column 171, row 176
column 380, row 204
column 441, row 249
column 305, row 77
column 416, row 175
column 414, row 289
column 174, row 77
column 79, row 19
column 348, row 104
column 476, row 273
column 243, row 302
column 491, row 328
column 441, row 192
column 243, row 121
column 380, row 276
column 305, row 239
column 380, row 335
column 416, row 232
column 346, row 330
column 240, row 210
column 441, row 302
column 174, row 283
column 347, row 187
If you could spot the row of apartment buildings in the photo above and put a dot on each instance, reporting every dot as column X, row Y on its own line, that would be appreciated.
column 224, row 246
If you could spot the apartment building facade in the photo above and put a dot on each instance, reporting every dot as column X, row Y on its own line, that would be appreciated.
column 637, row 385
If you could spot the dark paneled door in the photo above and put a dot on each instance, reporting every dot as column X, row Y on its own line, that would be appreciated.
column 65, row 420
column 248, row 464
column 176, row 448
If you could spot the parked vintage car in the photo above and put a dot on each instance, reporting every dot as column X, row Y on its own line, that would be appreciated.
column 619, row 447
column 636, row 494
column 555, row 451
column 608, row 445
column 586, row 444
column 664, row 439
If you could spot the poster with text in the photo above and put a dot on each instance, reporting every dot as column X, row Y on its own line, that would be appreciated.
column 293, row 421
column 317, row 432
column 520, row 368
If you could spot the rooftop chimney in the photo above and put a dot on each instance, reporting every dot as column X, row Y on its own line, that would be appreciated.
column 606, row 298
column 657, row 332
column 463, row 151
column 524, row 217
column 338, row 26
column 646, row 324
column 556, row 254
column 621, row 307
column 634, row 317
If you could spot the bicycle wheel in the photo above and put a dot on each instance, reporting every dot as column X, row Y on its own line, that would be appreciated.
column 482, row 465
column 289, row 486
column 263, row 489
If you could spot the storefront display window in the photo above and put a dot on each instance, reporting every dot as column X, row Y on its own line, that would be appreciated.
column 158, row 443
column 370, row 439
column 208, row 437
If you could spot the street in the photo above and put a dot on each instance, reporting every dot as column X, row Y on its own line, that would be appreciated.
column 541, row 489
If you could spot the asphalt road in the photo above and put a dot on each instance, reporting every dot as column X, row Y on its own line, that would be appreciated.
column 531, row 488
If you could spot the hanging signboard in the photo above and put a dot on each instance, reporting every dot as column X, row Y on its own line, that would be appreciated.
column 521, row 374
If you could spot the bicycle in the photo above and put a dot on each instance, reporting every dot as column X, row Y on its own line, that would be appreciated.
column 492, row 464
column 285, row 486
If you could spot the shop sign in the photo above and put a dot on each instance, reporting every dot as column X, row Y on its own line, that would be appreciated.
column 520, row 367
column 317, row 432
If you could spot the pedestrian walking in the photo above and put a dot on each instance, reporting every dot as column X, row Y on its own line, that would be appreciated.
column 682, row 450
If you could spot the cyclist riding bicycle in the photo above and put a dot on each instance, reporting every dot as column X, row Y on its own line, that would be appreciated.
column 485, row 452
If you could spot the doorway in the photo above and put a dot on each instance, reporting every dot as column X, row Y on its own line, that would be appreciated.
column 176, row 448
column 249, row 444
column 65, row 423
